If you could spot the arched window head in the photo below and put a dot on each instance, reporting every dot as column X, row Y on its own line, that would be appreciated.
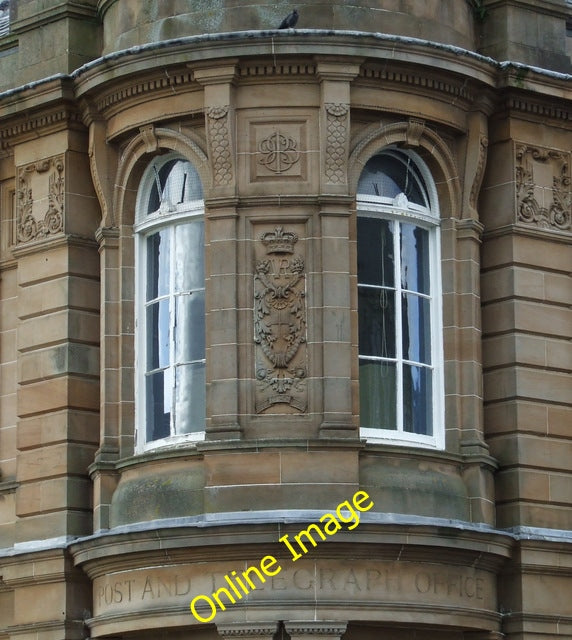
column 170, row 394
column 400, row 361
column 170, row 184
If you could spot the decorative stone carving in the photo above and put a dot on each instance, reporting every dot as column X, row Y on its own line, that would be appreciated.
column 543, row 195
column 415, row 128
column 479, row 172
column 324, row 629
column 247, row 630
column 220, row 145
column 280, row 323
column 149, row 137
column 40, row 199
column 337, row 116
column 278, row 152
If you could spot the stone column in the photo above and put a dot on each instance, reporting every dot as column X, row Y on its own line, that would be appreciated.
column 221, row 254
column 57, row 338
column 339, row 341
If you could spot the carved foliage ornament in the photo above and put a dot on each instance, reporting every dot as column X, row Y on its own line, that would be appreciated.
column 543, row 195
column 40, row 199
column 219, row 145
column 337, row 142
column 280, row 322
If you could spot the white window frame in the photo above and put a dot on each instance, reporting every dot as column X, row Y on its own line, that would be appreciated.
column 168, row 216
column 400, row 210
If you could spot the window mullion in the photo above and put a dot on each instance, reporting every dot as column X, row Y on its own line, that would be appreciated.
column 172, row 327
column 398, row 323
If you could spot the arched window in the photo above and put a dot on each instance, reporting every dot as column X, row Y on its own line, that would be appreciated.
column 400, row 350
column 4, row 17
column 170, row 317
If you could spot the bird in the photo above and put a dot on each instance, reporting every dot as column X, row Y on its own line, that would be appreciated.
column 290, row 20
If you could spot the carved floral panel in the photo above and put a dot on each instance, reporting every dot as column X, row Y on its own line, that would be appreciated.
column 280, row 322
column 40, row 199
column 543, row 195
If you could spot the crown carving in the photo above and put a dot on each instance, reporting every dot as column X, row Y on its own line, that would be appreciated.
column 279, row 241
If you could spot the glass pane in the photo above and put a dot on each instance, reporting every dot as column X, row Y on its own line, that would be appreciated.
column 414, row 258
column 189, row 256
column 190, row 327
column 377, row 383
column 158, row 335
column 159, row 396
column 376, row 312
column 175, row 182
column 389, row 174
column 375, row 251
column 158, row 251
column 416, row 317
column 417, row 400
column 190, row 398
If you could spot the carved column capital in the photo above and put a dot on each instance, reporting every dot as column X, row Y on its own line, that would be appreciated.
column 326, row 630
column 247, row 630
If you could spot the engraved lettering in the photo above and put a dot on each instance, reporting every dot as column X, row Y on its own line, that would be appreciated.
column 179, row 580
column 327, row 577
column 147, row 589
column 278, row 583
column 422, row 582
column 351, row 581
column 301, row 582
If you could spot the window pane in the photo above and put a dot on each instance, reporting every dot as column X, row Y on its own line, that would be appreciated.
column 376, row 310
column 158, row 335
column 375, row 252
column 174, row 182
column 190, row 398
column 189, row 256
column 414, row 258
column 190, row 327
column 158, row 252
column 377, row 384
column 417, row 400
column 390, row 174
column 159, row 395
column 416, row 319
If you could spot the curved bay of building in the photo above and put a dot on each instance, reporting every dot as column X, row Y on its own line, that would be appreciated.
column 203, row 158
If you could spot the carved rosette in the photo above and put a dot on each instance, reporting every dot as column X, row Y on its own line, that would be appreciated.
column 543, row 195
column 220, row 145
column 40, row 199
column 337, row 116
column 280, row 323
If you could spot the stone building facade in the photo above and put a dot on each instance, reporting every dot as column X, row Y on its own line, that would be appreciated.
column 250, row 277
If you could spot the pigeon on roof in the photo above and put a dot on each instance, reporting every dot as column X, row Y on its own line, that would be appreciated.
column 290, row 20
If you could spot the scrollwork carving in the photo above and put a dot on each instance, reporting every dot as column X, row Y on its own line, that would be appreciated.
column 336, row 142
column 280, row 322
column 543, row 199
column 479, row 171
column 33, row 222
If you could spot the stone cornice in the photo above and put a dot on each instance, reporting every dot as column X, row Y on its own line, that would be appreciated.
column 414, row 539
column 549, row 7
column 421, row 79
column 70, row 9
column 37, row 109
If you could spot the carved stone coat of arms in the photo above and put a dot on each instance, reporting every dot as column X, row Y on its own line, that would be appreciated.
column 280, row 323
